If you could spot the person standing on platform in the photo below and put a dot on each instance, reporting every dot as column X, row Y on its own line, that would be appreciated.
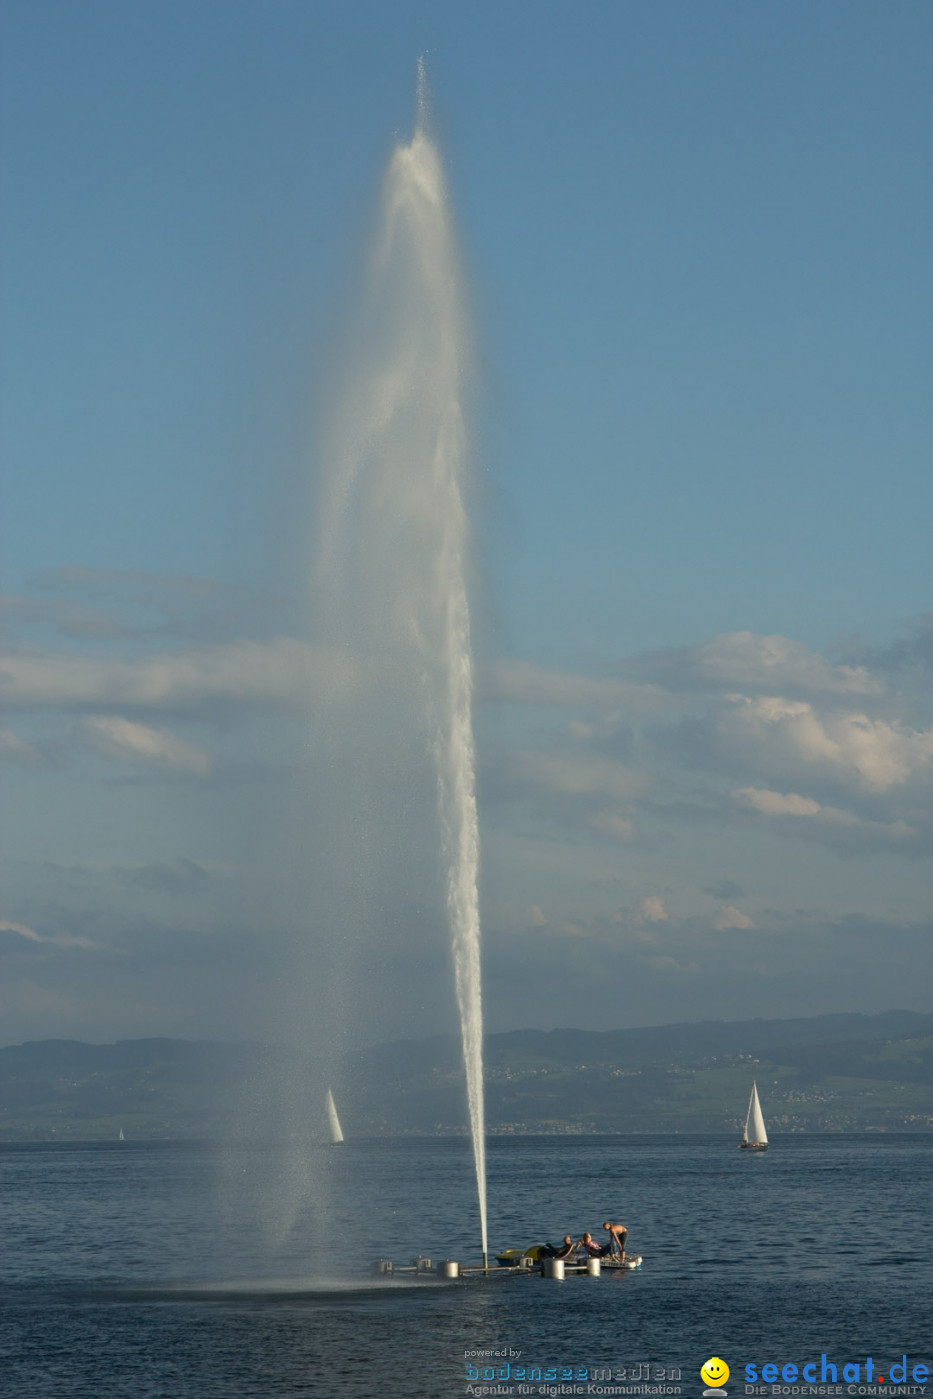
column 617, row 1235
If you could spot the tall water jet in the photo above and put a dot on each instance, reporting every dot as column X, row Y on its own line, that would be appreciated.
column 394, row 533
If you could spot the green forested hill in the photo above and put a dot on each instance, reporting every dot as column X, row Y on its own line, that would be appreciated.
column 825, row 1073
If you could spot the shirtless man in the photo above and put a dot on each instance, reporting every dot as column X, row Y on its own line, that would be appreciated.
column 617, row 1235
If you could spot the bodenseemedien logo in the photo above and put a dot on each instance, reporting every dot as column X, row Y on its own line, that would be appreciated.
column 714, row 1375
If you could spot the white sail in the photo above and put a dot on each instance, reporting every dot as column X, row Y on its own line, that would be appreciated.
column 333, row 1121
column 754, row 1122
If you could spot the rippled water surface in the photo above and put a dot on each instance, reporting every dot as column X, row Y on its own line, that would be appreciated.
column 192, row 1272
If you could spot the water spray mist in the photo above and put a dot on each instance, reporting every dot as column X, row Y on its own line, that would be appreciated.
column 395, row 534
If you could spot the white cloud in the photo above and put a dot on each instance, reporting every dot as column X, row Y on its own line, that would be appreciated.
column 282, row 671
column 577, row 774
column 874, row 753
column 652, row 910
column 830, row 818
column 744, row 658
column 612, row 823
column 778, row 803
column 122, row 738
column 732, row 917
column 664, row 963
column 748, row 661
column 519, row 682
column 111, row 580
column 54, row 939
column 12, row 746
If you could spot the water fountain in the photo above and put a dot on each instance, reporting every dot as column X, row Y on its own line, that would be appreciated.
column 393, row 530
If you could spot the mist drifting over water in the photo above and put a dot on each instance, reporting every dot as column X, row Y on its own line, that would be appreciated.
column 390, row 582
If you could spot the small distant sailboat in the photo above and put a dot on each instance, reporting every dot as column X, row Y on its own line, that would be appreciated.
column 754, row 1137
column 333, row 1121
column 121, row 1137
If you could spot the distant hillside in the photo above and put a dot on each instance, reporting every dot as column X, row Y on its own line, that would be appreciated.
column 825, row 1073
column 150, row 1089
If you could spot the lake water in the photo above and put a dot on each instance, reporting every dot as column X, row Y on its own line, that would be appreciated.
column 161, row 1271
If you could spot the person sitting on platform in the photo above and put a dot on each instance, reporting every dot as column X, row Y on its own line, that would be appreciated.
column 564, row 1250
column 595, row 1250
column 617, row 1236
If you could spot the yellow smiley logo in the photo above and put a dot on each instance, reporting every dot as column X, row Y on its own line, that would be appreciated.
column 715, row 1372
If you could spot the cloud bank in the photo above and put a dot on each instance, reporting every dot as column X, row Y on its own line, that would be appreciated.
column 647, row 835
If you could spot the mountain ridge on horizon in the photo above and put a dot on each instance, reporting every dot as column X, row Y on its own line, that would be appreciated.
column 845, row 1070
column 836, row 1018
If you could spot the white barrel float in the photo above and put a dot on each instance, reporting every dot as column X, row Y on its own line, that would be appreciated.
column 592, row 1267
column 553, row 1267
column 448, row 1269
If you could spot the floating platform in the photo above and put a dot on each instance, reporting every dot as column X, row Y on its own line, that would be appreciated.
column 524, row 1266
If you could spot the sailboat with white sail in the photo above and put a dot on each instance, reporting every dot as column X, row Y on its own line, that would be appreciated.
column 335, row 1134
column 754, row 1137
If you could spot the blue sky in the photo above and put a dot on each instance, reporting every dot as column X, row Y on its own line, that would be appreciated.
column 697, row 245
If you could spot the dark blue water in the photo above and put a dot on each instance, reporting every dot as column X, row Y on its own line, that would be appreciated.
column 190, row 1272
